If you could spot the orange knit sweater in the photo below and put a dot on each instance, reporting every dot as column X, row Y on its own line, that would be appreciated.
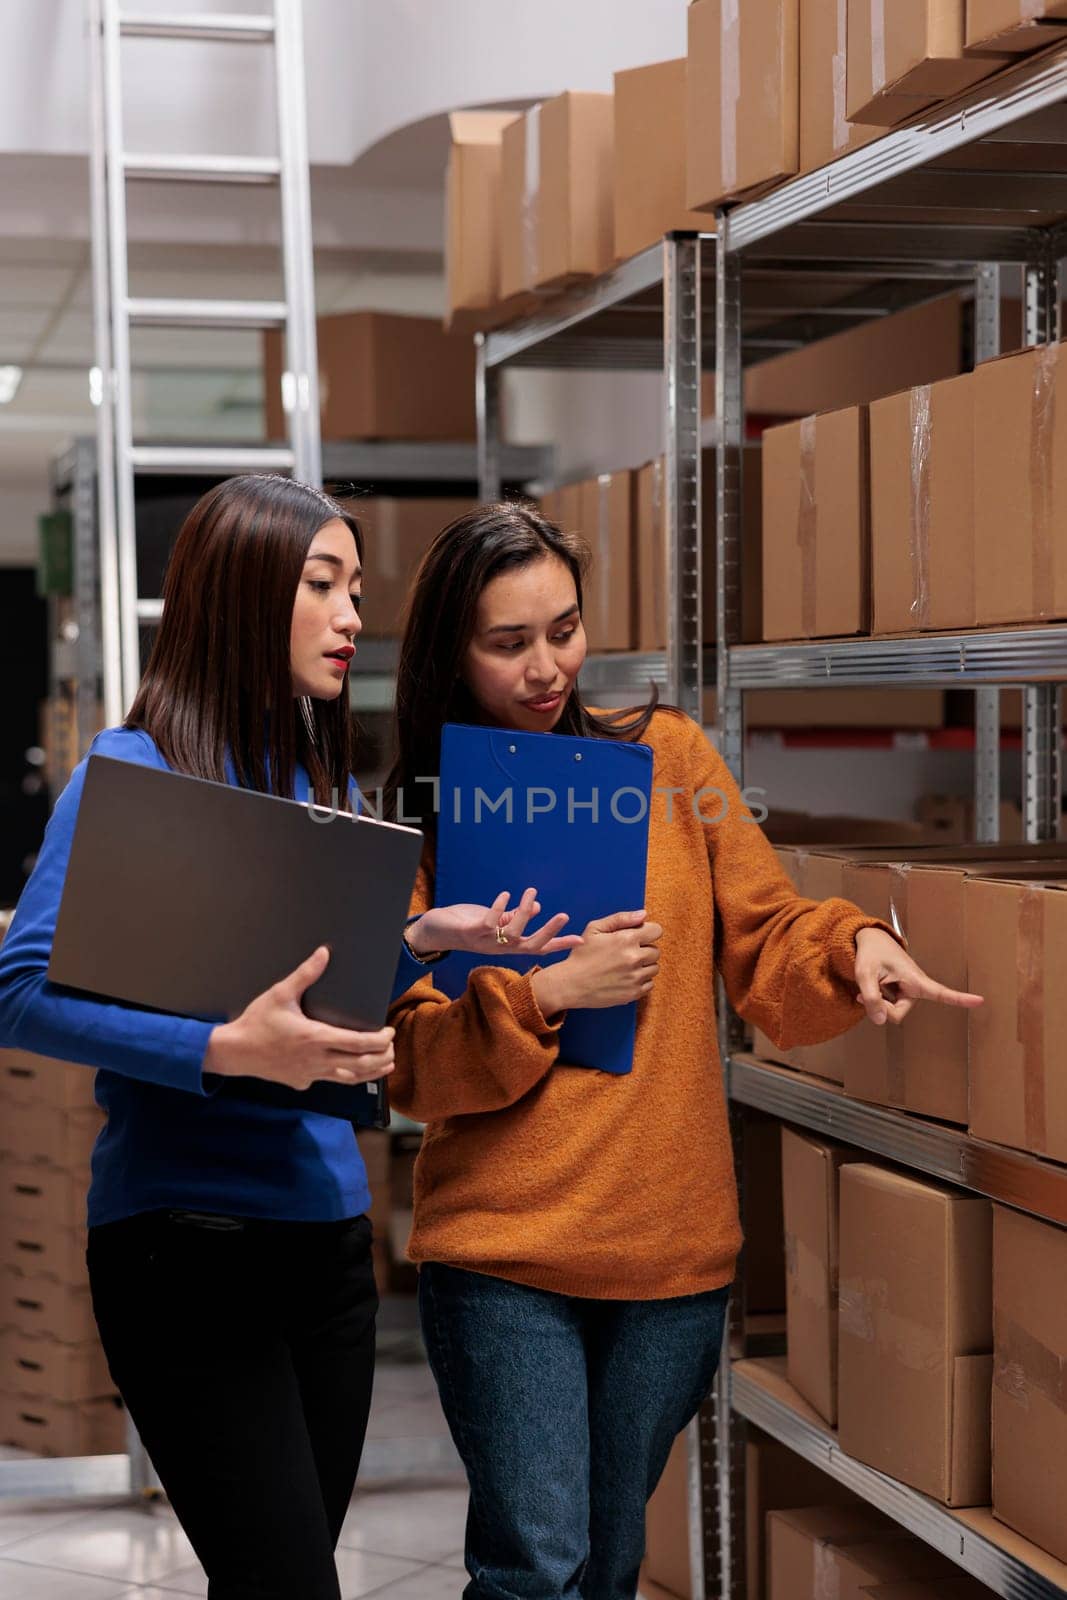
column 611, row 1187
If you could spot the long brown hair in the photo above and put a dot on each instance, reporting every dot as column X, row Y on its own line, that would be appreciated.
column 440, row 622
column 219, row 679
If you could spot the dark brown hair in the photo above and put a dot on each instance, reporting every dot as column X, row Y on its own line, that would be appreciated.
column 219, row 679
column 440, row 622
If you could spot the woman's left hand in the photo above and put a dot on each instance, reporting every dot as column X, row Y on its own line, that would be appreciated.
column 890, row 982
column 474, row 929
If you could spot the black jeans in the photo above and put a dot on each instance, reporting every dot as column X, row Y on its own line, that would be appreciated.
column 244, row 1351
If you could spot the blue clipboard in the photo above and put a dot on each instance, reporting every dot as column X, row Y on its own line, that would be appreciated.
column 567, row 815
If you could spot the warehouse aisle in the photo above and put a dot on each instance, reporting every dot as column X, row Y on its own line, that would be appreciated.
column 400, row 1541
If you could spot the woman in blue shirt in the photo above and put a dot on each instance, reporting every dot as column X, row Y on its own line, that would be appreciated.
column 229, row 1250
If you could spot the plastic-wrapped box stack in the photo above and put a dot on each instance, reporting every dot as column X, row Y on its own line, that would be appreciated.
column 56, row 1396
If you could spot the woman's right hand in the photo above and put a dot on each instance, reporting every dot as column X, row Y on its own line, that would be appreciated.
column 274, row 1039
column 616, row 962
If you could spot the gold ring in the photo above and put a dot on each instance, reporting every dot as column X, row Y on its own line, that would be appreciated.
column 501, row 936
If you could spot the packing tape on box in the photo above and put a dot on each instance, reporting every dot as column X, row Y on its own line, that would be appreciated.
column 659, row 552
column 807, row 522
column 1042, row 430
column 825, row 1572
column 1023, row 1366
column 603, row 547
column 842, row 128
column 531, row 190
column 1030, row 1008
column 806, row 1272
column 919, row 531
column 864, row 1314
column 729, row 89
column 878, row 73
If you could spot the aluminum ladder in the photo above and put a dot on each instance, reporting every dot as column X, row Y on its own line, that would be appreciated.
column 115, row 313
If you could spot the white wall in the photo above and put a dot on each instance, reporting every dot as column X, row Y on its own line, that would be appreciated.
column 20, row 506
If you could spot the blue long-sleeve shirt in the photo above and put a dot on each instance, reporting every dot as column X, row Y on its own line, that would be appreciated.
column 168, row 1140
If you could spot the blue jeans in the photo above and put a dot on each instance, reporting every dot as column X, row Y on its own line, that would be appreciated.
column 564, row 1411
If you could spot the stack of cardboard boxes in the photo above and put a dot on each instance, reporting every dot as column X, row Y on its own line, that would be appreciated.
column 56, row 1396
column 767, row 90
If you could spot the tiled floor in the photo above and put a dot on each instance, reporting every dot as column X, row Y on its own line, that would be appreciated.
column 402, row 1539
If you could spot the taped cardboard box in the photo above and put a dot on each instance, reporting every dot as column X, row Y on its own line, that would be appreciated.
column 956, row 1586
column 903, row 709
column 42, row 1309
column 472, row 206
column 777, row 1479
column 398, row 533
column 606, row 522
column 1014, row 27
column 48, row 1370
column 922, row 508
column 825, row 131
column 576, row 209
column 1016, row 947
column 29, row 1079
column 1020, row 484
column 520, row 182
column 816, row 547
column 381, row 376
column 41, row 1133
column 1030, row 1378
column 838, row 1552
column 50, row 1428
column 43, row 1194
column 810, row 1182
column 650, row 154
column 916, row 1332
column 742, row 98
column 906, row 55
column 651, row 547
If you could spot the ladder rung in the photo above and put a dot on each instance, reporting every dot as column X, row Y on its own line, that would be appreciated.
column 229, row 28
column 149, row 610
column 206, row 313
column 203, row 169
column 210, row 461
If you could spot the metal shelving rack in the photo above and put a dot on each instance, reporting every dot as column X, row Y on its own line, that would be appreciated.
column 955, row 199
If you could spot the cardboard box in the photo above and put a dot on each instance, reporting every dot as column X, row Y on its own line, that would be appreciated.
column 397, row 534
column 28, row 1079
column 915, row 1332
column 576, row 209
column 382, row 376
column 957, row 1586
column 42, row 1133
column 1020, row 483
column 825, row 131
column 45, row 1195
column 49, row 1428
column 667, row 1526
column 810, row 1181
column 1016, row 937
column 650, row 142
column 1030, row 1363
column 651, row 534
column 840, row 1551
column 43, row 1249
column 42, row 1309
column 816, row 555
column 51, row 1371
column 879, row 358
column 472, row 206
column 1014, row 27
column 922, row 508
column 742, row 99
column 903, row 709
column 777, row 1479
column 906, row 56
column 520, row 182
column 606, row 522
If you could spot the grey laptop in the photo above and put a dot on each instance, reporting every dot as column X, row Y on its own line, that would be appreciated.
column 193, row 897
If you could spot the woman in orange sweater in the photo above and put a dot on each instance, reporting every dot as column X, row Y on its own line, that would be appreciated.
column 577, row 1231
